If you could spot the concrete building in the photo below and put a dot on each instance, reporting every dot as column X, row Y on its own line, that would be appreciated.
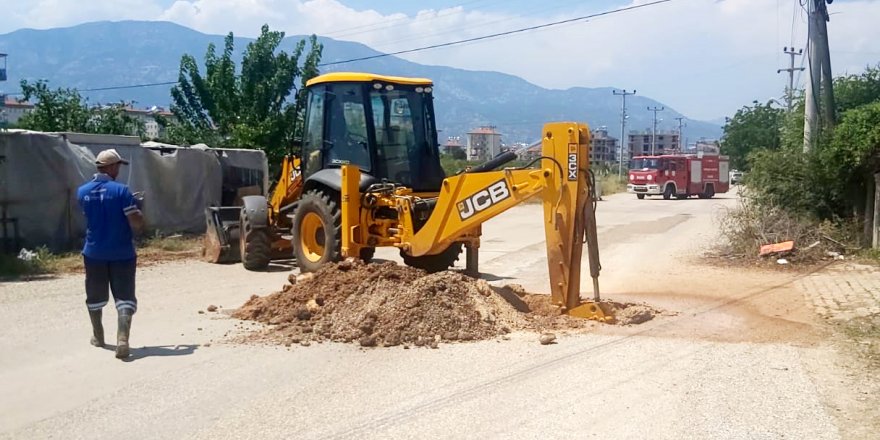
column 710, row 146
column 483, row 143
column 603, row 148
column 453, row 147
column 640, row 142
column 529, row 152
column 12, row 110
column 152, row 129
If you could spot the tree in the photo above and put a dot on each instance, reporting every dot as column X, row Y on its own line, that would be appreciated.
column 854, row 91
column 65, row 110
column 751, row 128
column 54, row 110
column 259, row 106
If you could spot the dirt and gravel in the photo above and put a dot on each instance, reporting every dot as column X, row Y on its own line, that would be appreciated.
column 386, row 304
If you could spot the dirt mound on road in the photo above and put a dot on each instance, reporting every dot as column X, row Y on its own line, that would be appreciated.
column 385, row 304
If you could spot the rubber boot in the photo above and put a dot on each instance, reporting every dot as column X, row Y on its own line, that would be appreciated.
column 97, row 328
column 122, row 334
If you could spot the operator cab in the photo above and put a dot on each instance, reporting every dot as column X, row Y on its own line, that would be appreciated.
column 382, row 124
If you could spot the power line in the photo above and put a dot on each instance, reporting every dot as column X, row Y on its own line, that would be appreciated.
column 499, row 34
column 131, row 86
column 451, row 43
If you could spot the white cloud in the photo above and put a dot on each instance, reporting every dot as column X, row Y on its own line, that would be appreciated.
column 705, row 58
column 43, row 14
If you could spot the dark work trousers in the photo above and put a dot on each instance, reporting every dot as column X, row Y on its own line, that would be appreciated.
column 105, row 276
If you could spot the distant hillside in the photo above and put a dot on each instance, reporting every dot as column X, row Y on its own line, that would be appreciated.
column 105, row 54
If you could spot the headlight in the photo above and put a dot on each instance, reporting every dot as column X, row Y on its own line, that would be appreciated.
column 650, row 177
column 632, row 177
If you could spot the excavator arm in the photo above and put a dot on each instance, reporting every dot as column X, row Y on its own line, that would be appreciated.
column 468, row 200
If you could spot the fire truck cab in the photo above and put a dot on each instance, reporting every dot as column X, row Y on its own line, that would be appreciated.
column 679, row 175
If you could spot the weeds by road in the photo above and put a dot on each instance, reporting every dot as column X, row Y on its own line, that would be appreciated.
column 611, row 184
column 865, row 335
column 150, row 251
column 750, row 225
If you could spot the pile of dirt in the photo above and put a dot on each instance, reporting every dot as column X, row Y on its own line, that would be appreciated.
column 385, row 304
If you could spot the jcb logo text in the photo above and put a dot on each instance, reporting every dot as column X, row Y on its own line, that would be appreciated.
column 483, row 199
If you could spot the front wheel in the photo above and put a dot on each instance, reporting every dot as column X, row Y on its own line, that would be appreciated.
column 668, row 192
column 255, row 245
column 317, row 231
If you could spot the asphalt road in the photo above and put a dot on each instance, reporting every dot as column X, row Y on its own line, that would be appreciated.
column 731, row 359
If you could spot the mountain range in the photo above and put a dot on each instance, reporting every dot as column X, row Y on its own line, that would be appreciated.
column 131, row 53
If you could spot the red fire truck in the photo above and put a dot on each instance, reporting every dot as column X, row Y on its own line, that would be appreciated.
column 679, row 175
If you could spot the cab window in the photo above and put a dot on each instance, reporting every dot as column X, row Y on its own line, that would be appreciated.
column 347, row 140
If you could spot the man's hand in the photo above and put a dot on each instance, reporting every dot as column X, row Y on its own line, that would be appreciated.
column 139, row 199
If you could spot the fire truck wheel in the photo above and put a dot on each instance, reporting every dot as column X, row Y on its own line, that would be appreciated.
column 708, row 192
column 668, row 192
column 640, row 196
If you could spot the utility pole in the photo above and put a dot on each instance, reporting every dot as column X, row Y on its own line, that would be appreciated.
column 680, row 133
column 655, row 109
column 2, row 95
column 620, row 151
column 819, row 73
column 789, row 92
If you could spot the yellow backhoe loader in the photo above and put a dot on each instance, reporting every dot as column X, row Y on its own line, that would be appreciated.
column 371, row 177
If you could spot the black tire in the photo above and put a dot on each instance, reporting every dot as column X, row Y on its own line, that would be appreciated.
column 256, row 246
column 668, row 192
column 318, row 212
column 640, row 196
column 367, row 254
column 708, row 192
column 434, row 263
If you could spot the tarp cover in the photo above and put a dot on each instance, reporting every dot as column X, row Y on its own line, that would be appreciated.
column 40, row 173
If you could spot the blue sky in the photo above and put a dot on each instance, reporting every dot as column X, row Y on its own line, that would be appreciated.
column 705, row 58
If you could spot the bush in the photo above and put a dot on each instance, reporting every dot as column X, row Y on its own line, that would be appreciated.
column 611, row 184
column 751, row 225
column 805, row 184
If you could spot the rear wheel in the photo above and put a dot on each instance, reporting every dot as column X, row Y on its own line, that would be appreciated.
column 668, row 192
column 640, row 196
column 317, row 231
column 434, row 263
column 256, row 246
column 708, row 193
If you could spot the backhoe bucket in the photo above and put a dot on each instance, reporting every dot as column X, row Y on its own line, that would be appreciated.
column 222, row 234
column 592, row 310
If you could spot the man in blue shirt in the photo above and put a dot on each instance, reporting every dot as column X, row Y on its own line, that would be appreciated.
column 113, row 214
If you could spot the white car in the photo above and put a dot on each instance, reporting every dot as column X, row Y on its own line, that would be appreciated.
column 736, row 177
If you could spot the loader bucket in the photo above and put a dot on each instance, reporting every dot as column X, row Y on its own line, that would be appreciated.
column 222, row 234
